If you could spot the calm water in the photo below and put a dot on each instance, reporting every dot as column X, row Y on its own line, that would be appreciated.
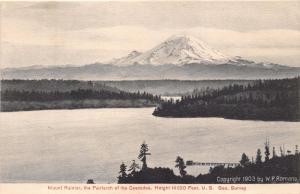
column 76, row 145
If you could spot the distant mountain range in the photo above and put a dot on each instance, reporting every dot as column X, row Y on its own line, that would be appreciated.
column 179, row 57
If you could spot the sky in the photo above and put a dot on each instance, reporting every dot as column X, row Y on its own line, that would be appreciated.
column 78, row 33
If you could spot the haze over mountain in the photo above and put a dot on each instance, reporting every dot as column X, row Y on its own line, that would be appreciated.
column 179, row 57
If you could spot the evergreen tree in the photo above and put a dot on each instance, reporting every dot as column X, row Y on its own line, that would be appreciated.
column 180, row 165
column 267, row 150
column 122, row 171
column 258, row 157
column 281, row 152
column 244, row 160
column 133, row 167
column 274, row 153
column 143, row 154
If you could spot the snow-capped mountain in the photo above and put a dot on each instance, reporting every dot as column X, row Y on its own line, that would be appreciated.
column 179, row 57
column 177, row 50
column 181, row 50
column 126, row 59
column 241, row 62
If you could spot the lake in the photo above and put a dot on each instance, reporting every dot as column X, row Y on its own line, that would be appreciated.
column 71, row 146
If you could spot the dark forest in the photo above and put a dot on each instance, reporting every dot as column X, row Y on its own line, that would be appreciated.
column 262, row 100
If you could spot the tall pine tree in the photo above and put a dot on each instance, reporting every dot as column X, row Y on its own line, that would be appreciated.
column 181, row 166
column 274, row 153
column 267, row 150
column 122, row 173
column 244, row 160
column 258, row 157
column 143, row 155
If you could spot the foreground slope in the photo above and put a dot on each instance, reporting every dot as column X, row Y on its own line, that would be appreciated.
column 276, row 170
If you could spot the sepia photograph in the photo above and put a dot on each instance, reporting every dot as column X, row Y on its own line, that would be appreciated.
column 149, row 96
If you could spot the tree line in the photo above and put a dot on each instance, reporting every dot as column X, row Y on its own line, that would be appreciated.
column 263, row 100
column 79, row 94
column 285, row 164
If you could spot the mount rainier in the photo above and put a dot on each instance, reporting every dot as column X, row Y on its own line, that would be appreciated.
column 177, row 50
column 179, row 57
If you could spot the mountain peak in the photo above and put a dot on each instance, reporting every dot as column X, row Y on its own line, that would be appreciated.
column 126, row 60
column 134, row 53
column 178, row 50
column 182, row 37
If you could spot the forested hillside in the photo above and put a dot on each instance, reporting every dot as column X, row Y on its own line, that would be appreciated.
column 18, row 95
column 171, row 87
column 53, row 85
column 261, row 100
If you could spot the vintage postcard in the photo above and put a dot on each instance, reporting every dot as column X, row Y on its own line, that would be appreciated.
column 150, row 97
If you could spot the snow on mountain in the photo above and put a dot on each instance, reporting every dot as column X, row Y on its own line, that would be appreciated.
column 239, row 61
column 180, row 50
column 177, row 50
column 126, row 59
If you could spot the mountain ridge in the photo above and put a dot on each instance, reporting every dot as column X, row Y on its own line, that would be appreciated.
column 179, row 57
column 192, row 71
